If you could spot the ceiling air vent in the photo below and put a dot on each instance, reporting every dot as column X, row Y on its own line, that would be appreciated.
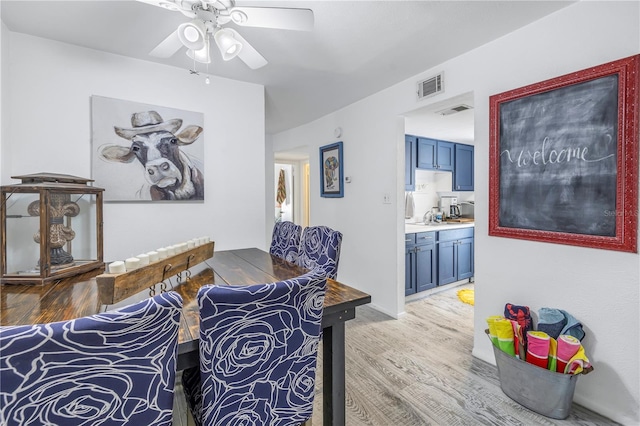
column 453, row 110
column 431, row 86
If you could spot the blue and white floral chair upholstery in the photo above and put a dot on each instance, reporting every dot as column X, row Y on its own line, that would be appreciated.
column 112, row 368
column 285, row 240
column 320, row 250
column 258, row 351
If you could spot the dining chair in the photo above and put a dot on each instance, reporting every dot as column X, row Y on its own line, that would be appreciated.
column 113, row 368
column 258, row 351
column 285, row 240
column 320, row 250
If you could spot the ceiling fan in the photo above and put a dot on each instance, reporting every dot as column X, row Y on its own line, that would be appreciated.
column 207, row 18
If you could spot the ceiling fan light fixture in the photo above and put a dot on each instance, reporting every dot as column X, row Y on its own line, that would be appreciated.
column 192, row 34
column 228, row 45
column 238, row 17
column 201, row 55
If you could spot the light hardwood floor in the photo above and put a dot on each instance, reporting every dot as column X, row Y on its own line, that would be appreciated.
column 419, row 370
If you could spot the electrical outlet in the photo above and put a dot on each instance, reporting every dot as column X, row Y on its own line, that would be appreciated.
column 386, row 199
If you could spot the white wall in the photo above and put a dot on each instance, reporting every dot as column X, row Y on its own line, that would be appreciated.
column 360, row 215
column 4, row 67
column 599, row 287
column 49, row 87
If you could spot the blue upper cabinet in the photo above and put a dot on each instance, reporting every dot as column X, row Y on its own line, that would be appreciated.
column 435, row 155
column 410, row 163
column 446, row 154
column 427, row 154
column 463, row 170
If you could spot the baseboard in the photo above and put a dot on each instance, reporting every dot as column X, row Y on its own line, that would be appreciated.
column 384, row 311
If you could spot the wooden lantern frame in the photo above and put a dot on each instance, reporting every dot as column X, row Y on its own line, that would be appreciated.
column 44, row 185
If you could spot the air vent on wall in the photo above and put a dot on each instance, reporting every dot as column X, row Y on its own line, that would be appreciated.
column 431, row 86
column 454, row 109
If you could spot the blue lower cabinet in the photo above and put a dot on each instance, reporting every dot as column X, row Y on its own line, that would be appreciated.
column 447, row 262
column 431, row 261
column 420, row 262
column 409, row 271
column 425, row 267
column 455, row 255
column 465, row 258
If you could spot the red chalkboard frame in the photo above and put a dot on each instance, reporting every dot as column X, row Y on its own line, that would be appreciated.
column 626, row 234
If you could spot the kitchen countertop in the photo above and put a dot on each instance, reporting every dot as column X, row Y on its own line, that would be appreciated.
column 410, row 228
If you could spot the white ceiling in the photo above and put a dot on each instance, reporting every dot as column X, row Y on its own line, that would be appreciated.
column 356, row 48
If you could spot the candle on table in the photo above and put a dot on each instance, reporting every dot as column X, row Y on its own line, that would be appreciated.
column 153, row 256
column 162, row 253
column 171, row 250
column 117, row 267
column 132, row 263
column 191, row 244
column 182, row 247
column 144, row 259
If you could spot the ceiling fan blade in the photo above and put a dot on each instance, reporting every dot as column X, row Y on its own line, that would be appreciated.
column 273, row 17
column 248, row 54
column 173, row 5
column 167, row 47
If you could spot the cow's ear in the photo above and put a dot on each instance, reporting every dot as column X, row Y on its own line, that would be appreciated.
column 117, row 153
column 189, row 135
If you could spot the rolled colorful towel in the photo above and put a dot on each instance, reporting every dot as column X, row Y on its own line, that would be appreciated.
column 578, row 362
column 553, row 355
column 551, row 321
column 573, row 327
column 518, row 339
column 538, row 348
column 492, row 328
column 522, row 315
column 568, row 346
column 504, row 331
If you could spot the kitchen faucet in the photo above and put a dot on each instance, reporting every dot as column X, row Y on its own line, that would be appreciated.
column 428, row 217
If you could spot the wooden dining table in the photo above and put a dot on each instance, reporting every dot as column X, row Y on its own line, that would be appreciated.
column 80, row 296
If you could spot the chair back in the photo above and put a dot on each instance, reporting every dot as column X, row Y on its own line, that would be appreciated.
column 113, row 368
column 320, row 250
column 285, row 240
column 258, row 350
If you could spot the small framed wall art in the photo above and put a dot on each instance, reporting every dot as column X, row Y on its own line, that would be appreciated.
column 331, row 171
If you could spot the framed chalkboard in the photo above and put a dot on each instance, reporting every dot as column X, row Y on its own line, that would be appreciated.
column 564, row 159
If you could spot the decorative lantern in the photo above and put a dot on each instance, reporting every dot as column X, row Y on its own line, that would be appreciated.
column 51, row 228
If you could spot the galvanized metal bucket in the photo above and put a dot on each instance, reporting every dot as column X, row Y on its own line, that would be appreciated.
column 543, row 391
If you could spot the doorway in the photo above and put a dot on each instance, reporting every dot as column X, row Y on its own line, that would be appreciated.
column 445, row 124
column 292, row 187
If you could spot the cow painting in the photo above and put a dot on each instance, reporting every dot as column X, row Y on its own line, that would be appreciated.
column 155, row 144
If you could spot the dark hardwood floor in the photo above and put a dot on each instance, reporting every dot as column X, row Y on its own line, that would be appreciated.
column 419, row 370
